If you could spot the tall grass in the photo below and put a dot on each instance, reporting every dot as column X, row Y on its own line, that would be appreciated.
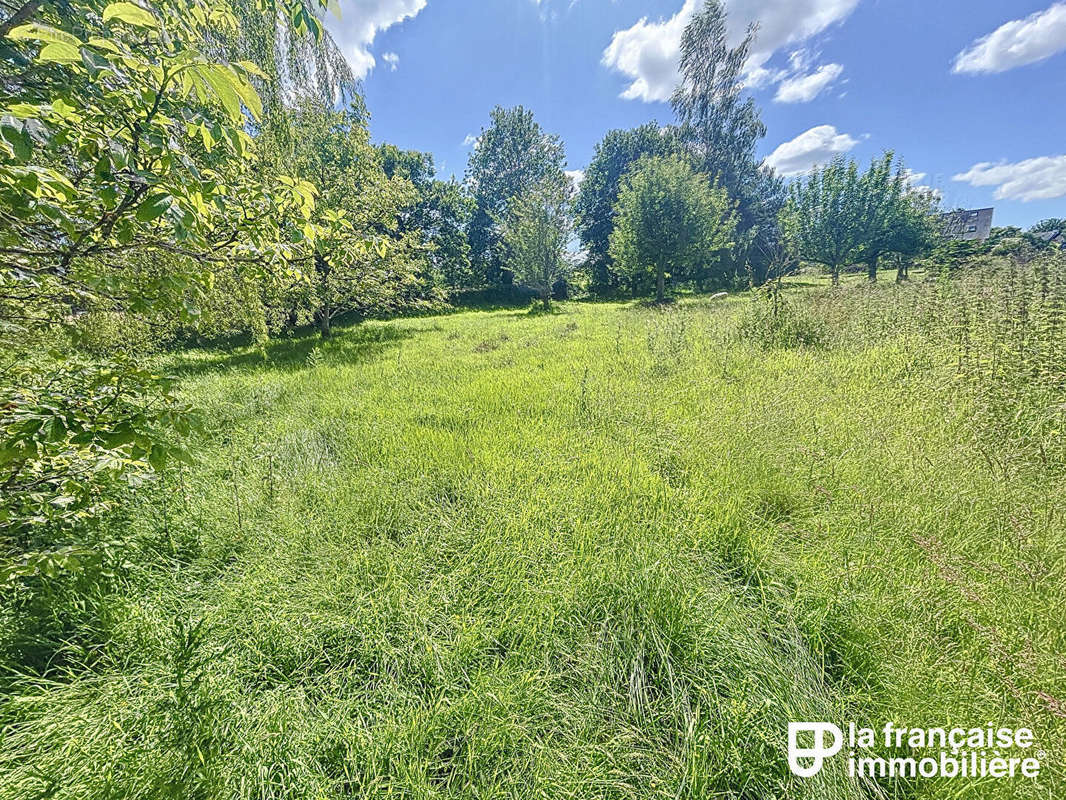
column 606, row 553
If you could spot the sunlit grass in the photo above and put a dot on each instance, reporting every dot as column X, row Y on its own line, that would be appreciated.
column 603, row 553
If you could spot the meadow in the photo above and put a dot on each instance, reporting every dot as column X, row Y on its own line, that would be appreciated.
column 608, row 551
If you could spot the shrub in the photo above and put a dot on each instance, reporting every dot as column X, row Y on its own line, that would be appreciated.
column 771, row 320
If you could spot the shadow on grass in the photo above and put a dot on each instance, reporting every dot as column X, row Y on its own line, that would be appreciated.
column 538, row 310
column 352, row 343
column 504, row 298
column 790, row 284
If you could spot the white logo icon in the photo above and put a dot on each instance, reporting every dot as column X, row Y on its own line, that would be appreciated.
column 818, row 753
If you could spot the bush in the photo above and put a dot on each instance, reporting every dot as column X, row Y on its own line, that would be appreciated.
column 772, row 321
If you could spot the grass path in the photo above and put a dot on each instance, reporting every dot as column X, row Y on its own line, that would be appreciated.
column 604, row 553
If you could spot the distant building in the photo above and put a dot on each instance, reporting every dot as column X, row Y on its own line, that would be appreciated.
column 968, row 226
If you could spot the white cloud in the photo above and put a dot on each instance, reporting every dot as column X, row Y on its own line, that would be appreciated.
column 1017, row 43
column 648, row 53
column 760, row 77
column 809, row 149
column 914, row 183
column 470, row 140
column 391, row 59
column 360, row 23
column 804, row 88
column 577, row 176
column 1033, row 179
column 913, row 178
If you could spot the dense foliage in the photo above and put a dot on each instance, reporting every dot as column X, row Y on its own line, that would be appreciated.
column 127, row 176
column 510, row 157
column 838, row 216
column 439, row 215
column 721, row 127
column 595, row 204
column 671, row 224
column 536, row 232
column 361, row 264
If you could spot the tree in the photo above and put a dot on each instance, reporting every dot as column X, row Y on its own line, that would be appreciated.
column 759, row 202
column 823, row 217
column 361, row 262
column 536, row 231
column 298, row 58
column 916, row 229
column 511, row 157
column 850, row 218
column 594, row 208
column 836, row 217
column 440, row 214
column 670, row 223
column 130, row 143
column 127, row 177
column 721, row 127
column 1048, row 225
column 716, row 120
column 882, row 195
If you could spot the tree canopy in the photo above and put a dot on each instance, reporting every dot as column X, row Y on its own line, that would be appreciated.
column 721, row 126
column 537, row 230
column 510, row 157
column 129, row 176
column 672, row 224
column 837, row 216
column 440, row 214
column 615, row 155
column 822, row 218
column 361, row 262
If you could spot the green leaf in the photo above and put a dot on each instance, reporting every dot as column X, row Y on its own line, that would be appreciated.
column 252, row 69
column 221, row 82
column 154, row 207
column 15, row 135
column 59, row 53
column 103, row 44
column 130, row 14
column 248, row 96
column 157, row 458
column 43, row 33
column 24, row 110
column 62, row 108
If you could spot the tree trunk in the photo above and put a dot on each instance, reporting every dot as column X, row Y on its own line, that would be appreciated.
column 871, row 270
column 322, row 318
column 660, row 286
column 836, row 275
column 901, row 269
column 323, row 314
column 546, row 298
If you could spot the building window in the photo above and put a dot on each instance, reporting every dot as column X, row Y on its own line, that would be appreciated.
column 972, row 229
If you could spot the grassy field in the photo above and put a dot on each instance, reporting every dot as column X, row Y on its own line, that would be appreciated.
column 607, row 552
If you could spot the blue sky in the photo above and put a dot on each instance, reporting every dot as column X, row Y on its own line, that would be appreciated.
column 969, row 92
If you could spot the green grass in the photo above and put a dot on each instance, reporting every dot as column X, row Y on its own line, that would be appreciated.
column 604, row 553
